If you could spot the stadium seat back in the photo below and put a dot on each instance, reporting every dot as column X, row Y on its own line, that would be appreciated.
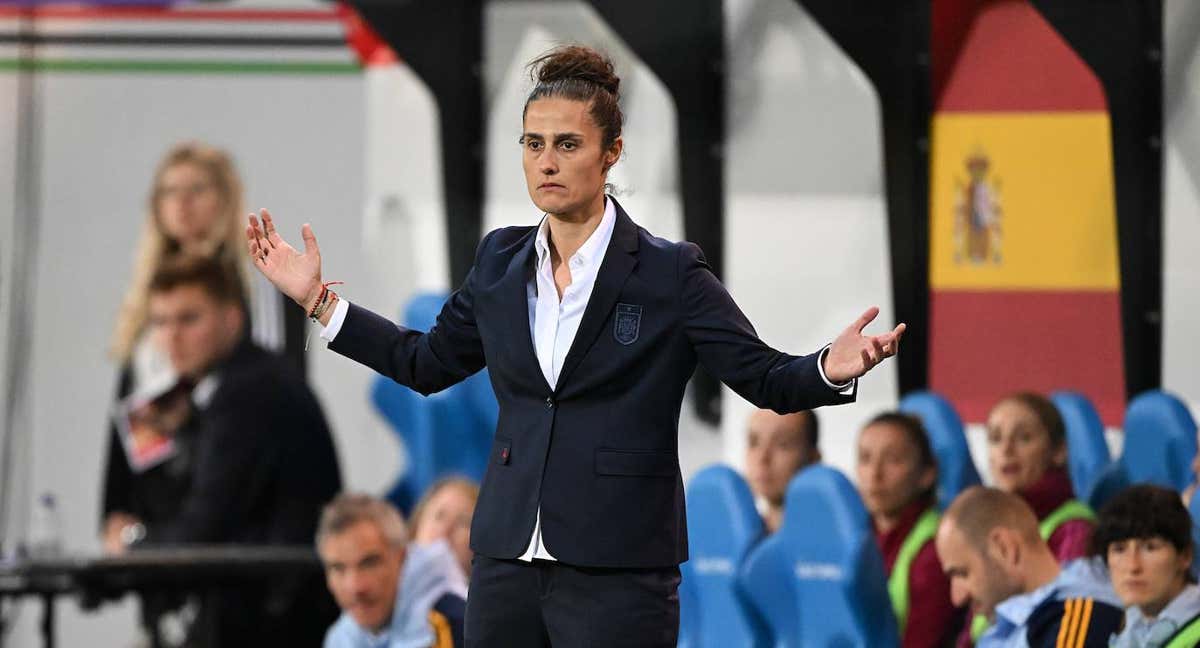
column 1087, row 451
column 723, row 525
column 767, row 583
column 956, row 469
column 1160, row 441
column 1110, row 481
column 826, row 549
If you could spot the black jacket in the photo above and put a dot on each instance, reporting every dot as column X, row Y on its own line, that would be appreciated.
column 599, row 452
column 256, row 464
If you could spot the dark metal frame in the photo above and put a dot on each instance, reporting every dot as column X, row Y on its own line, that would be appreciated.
column 889, row 41
column 442, row 41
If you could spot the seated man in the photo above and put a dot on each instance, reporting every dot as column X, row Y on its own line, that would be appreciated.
column 392, row 594
column 990, row 548
column 243, row 456
column 778, row 446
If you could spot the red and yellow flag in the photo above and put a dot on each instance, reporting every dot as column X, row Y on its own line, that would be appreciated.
column 1024, row 274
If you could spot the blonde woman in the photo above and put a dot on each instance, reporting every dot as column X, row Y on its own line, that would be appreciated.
column 194, row 207
column 444, row 513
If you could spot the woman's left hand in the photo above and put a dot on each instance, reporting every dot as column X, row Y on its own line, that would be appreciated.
column 853, row 354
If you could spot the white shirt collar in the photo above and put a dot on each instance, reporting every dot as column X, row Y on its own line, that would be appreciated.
column 592, row 249
column 202, row 393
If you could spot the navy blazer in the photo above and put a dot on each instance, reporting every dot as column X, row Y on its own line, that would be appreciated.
column 600, row 451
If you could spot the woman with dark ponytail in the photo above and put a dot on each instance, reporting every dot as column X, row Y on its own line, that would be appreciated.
column 590, row 327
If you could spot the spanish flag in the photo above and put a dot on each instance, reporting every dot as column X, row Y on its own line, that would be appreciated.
column 1023, row 272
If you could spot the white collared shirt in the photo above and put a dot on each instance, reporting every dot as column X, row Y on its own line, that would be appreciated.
column 1141, row 631
column 553, row 323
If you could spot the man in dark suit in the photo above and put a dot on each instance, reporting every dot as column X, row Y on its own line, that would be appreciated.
column 251, row 460
column 590, row 328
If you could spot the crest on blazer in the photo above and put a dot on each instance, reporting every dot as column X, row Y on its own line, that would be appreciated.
column 628, row 323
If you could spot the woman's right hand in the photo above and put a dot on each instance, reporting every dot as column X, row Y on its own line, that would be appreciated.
column 296, row 275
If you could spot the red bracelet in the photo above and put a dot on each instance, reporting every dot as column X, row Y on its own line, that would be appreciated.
column 320, row 299
column 321, row 305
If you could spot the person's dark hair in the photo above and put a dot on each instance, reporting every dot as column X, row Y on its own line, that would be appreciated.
column 219, row 281
column 1143, row 511
column 914, row 432
column 1046, row 413
column 582, row 74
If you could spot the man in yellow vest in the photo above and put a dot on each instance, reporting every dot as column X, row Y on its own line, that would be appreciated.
column 990, row 547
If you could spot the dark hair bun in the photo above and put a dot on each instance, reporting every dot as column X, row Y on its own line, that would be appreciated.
column 575, row 62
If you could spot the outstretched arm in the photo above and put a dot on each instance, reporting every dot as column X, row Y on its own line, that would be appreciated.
column 425, row 362
column 726, row 343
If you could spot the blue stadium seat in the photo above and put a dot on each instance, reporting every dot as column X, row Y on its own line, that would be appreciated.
column 447, row 433
column 768, row 585
column 956, row 469
column 1109, row 482
column 723, row 525
column 820, row 580
column 1087, row 451
column 1160, row 441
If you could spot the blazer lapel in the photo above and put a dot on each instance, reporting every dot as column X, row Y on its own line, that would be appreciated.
column 515, row 303
column 619, row 260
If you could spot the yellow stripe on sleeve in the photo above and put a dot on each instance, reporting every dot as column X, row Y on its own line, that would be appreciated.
column 1068, row 605
column 1073, row 622
column 442, row 636
column 1084, row 620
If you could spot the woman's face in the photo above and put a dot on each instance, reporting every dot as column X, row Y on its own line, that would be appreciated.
column 777, row 447
column 889, row 471
column 447, row 517
column 564, row 159
column 1019, row 447
column 1147, row 572
column 189, row 205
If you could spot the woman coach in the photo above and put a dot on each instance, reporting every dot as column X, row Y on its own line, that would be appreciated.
column 590, row 328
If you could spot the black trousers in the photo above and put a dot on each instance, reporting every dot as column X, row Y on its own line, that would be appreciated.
column 544, row 603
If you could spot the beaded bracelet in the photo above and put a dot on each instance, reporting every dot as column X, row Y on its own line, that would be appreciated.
column 330, row 296
column 323, row 301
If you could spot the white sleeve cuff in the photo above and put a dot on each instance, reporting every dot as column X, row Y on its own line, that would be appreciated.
column 844, row 388
column 339, row 317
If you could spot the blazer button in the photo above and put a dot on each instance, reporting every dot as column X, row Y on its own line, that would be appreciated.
column 549, row 402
